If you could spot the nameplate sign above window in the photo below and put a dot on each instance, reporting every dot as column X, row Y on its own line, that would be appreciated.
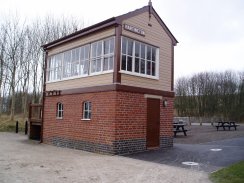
column 134, row 29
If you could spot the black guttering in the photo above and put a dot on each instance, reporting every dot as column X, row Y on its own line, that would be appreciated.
column 114, row 21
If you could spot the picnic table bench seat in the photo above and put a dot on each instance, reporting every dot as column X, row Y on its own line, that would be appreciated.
column 228, row 125
column 177, row 130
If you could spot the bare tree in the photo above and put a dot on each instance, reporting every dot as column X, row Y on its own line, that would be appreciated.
column 209, row 94
column 15, row 35
column 2, row 49
column 21, row 58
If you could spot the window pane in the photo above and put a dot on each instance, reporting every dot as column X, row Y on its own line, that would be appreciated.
column 112, row 45
column 148, row 68
column 98, row 66
column 111, row 63
column 59, row 73
column 85, row 106
column 94, row 48
column 129, row 63
column 67, row 56
column 106, row 46
column 59, row 60
column 75, row 69
column 86, row 114
column 149, row 53
column 51, row 61
column 87, row 110
column 99, row 48
column 82, row 65
column 87, row 51
column 142, row 66
column 75, row 62
column 89, row 115
column 153, row 54
column 82, row 53
column 137, row 49
column 143, row 51
column 50, row 75
column 59, row 110
column 153, row 68
column 54, row 64
column 137, row 65
column 93, row 66
column 67, row 64
column 55, row 74
column 123, row 67
column 89, row 105
column 105, row 64
column 124, row 41
column 86, row 66
column 130, row 47
column 75, row 55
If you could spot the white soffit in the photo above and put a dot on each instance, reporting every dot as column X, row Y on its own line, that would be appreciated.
column 153, row 96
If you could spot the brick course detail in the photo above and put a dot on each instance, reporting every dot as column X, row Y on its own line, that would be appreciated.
column 117, row 125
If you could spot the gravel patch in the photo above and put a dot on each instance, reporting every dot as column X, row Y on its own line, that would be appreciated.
column 22, row 160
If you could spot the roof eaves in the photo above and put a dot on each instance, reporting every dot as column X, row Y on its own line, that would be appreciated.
column 109, row 22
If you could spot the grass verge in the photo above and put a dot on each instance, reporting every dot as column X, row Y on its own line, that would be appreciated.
column 7, row 125
column 231, row 174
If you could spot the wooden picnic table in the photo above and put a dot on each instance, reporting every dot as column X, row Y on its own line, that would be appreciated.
column 226, row 124
column 179, row 128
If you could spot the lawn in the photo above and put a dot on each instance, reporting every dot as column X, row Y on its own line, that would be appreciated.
column 231, row 174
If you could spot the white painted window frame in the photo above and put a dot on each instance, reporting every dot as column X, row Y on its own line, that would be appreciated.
column 133, row 60
column 60, row 111
column 102, row 57
column 89, row 60
column 88, row 110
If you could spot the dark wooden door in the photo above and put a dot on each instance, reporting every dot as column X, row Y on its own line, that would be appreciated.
column 153, row 122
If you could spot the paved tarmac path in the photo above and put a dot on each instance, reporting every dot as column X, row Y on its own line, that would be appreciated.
column 210, row 156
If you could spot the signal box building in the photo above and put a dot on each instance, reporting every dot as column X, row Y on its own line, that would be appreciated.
column 109, row 87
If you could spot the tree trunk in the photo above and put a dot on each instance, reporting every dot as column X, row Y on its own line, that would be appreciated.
column 12, row 104
column 1, row 103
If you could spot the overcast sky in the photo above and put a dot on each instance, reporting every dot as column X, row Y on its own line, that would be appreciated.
column 210, row 32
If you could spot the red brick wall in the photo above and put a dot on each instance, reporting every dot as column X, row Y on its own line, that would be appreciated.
column 166, row 118
column 100, row 129
column 131, row 115
column 118, row 119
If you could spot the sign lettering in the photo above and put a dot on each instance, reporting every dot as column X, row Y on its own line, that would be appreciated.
column 134, row 29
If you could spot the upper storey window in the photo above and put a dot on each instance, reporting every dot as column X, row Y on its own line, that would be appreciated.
column 94, row 58
column 102, row 56
column 139, row 58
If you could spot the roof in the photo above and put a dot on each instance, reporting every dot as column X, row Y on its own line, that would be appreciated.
column 108, row 23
